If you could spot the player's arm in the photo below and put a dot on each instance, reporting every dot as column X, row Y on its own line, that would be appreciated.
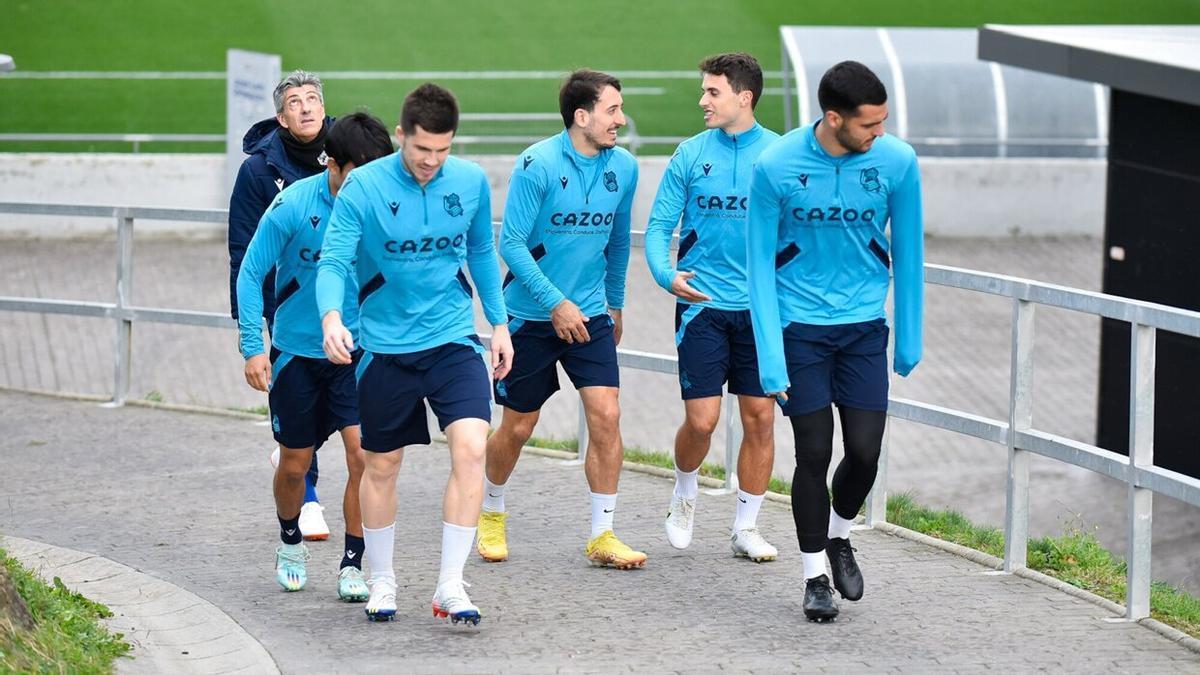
column 264, row 249
column 485, row 271
column 908, row 265
column 247, row 203
column 669, row 204
column 338, row 251
column 616, row 256
column 762, row 238
column 525, row 194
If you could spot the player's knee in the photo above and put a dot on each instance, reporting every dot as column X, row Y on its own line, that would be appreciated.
column 293, row 464
column 701, row 424
column 605, row 418
column 382, row 466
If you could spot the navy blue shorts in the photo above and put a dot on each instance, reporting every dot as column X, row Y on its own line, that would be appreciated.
column 393, row 388
column 845, row 364
column 534, row 378
column 715, row 346
column 310, row 399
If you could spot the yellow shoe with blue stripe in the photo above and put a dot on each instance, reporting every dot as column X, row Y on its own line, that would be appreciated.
column 493, row 544
column 606, row 549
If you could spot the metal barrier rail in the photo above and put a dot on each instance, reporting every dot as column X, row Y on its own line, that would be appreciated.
column 630, row 139
column 1016, row 433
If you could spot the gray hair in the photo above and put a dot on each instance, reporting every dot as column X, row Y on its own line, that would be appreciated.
column 298, row 78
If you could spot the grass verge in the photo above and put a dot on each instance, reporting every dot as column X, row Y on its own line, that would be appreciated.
column 1076, row 557
column 68, row 636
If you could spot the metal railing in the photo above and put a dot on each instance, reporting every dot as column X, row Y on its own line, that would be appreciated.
column 630, row 138
column 1017, row 433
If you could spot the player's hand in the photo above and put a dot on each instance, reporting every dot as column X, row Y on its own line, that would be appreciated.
column 338, row 342
column 780, row 396
column 682, row 290
column 502, row 351
column 618, row 325
column 569, row 323
column 258, row 372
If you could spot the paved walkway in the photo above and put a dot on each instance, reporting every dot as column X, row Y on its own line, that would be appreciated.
column 185, row 498
column 965, row 366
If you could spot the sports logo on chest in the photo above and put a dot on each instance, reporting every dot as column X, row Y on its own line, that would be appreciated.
column 453, row 205
column 869, row 180
column 610, row 181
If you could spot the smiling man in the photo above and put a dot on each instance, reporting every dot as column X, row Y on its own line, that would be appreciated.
column 405, row 226
column 283, row 149
column 566, row 241
column 821, row 202
column 707, row 184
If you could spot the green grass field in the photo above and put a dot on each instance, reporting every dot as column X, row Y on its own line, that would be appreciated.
column 377, row 35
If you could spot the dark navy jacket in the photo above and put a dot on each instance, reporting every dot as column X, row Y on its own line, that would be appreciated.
column 264, row 174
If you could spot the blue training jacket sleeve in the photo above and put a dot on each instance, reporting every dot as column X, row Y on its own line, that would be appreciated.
column 908, row 261
column 260, row 257
column 617, row 251
column 481, row 259
column 762, row 236
column 669, row 203
column 246, row 205
column 338, row 251
column 520, row 211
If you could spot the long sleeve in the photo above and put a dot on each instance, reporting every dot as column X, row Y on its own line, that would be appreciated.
column 482, row 261
column 260, row 257
column 668, row 207
column 617, row 252
column 761, row 241
column 247, row 203
column 520, row 212
column 908, row 260
column 338, row 250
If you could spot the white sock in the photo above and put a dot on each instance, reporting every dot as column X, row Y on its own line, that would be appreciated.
column 602, row 513
column 839, row 527
column 456, row 546
column 379, row 544
column 493, row 497
column 747, row 510
column 814, row 564
column 685, row 483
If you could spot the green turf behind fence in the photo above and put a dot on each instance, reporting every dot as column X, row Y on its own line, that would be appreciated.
column 384, row 35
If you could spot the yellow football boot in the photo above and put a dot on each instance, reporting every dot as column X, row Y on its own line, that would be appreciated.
column 493, row 545
column 606, row 549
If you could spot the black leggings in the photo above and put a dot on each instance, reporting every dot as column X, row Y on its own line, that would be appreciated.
column 862, row 435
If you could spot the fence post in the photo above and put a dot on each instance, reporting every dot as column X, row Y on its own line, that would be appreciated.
column 877, row 498
column 581, row 436
column 1141, row 454
column 733, row 445
column 1020, row 418
column 124, row 292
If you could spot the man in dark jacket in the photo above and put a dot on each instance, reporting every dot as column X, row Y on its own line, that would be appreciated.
column 283, row 149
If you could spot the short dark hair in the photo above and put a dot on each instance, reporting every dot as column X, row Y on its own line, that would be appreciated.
column 581, row 90
column 358, row 138
column 848, row 85
column 430, row 107
column 742, row 71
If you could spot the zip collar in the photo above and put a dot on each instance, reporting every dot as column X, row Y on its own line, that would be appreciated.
column 742, row 140
column 579, row 159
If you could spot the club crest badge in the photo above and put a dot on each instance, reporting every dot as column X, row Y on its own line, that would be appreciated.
column 452, row 204
column 610, row 181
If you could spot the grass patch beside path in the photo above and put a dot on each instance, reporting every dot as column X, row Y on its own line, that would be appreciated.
column 68, row 636
column 1076, row 557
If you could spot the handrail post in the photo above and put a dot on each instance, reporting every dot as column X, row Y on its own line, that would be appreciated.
column 733, row 444
column 1020, row 418
column 877, row 498
column 581, row 436
column 1141, row 454
column 124, row 292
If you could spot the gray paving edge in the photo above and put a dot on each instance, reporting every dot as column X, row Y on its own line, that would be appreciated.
column 170, row 629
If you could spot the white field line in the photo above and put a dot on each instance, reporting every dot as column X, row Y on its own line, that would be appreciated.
column 351, row 75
